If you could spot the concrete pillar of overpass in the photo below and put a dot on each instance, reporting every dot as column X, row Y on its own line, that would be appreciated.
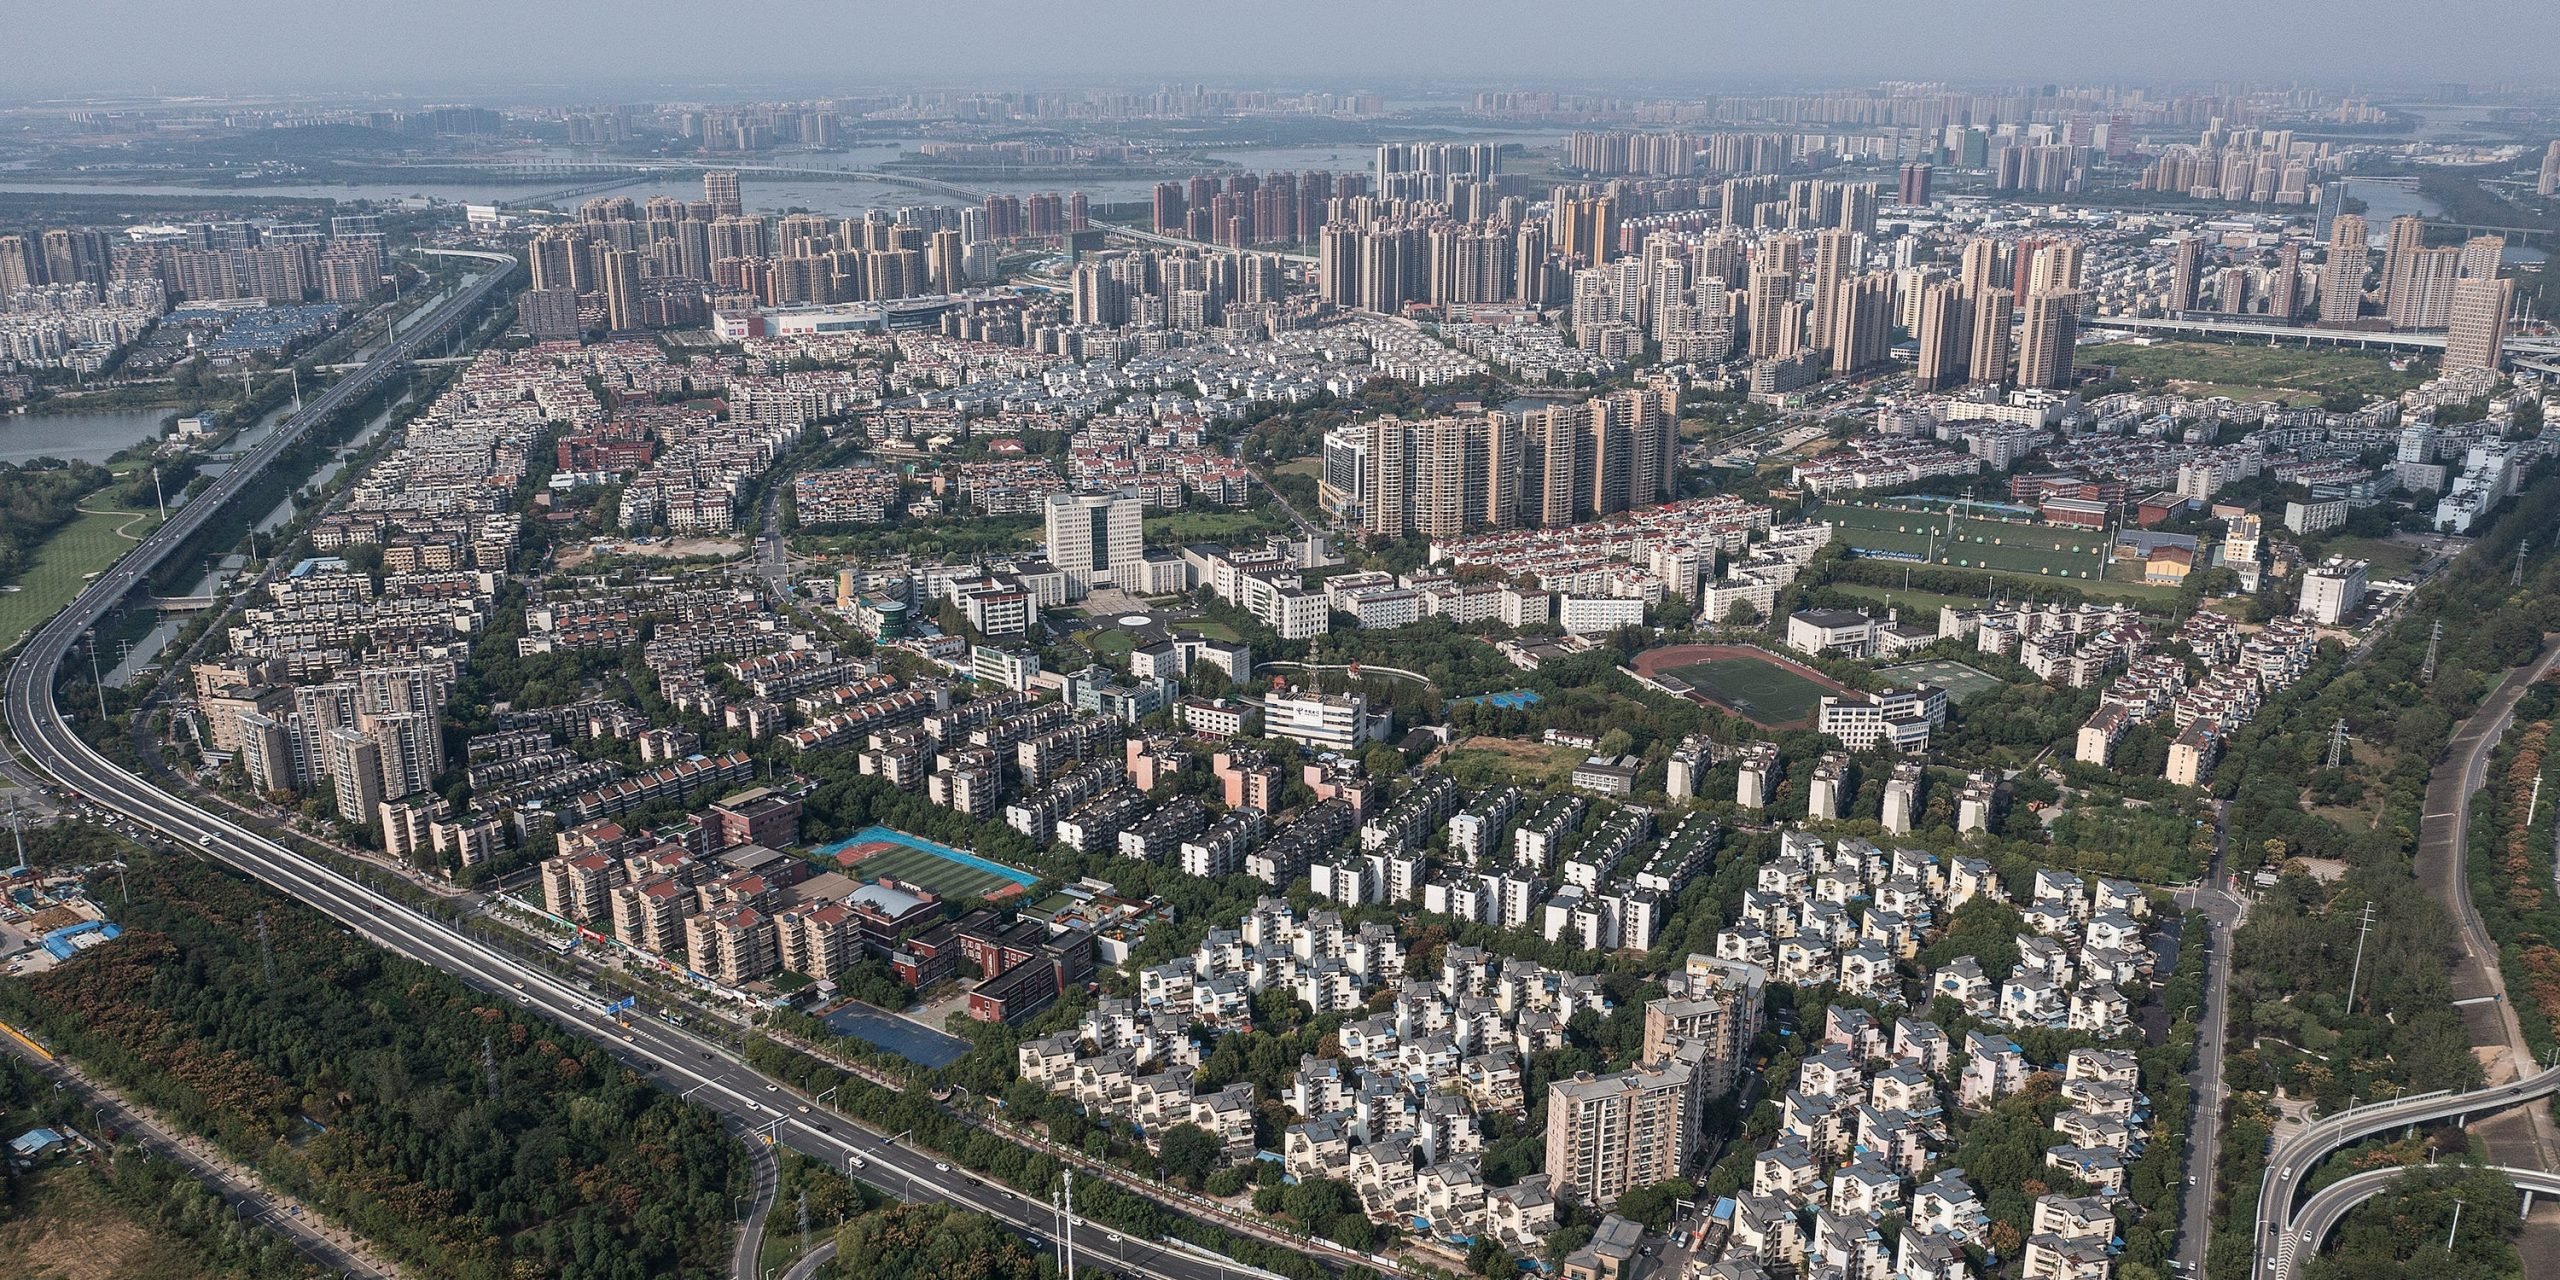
column 2527, row 1211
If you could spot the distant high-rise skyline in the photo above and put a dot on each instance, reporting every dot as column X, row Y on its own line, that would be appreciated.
column 656, row 45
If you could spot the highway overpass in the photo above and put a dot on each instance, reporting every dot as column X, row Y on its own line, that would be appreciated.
column 2289, row 1166
column 2328, row 1207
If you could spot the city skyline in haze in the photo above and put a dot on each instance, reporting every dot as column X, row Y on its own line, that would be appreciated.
column 486, row 49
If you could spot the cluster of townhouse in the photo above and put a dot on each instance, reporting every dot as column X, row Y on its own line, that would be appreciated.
column 1165, row 460
column 1796, row 922
column 862, row 494
column 1863, row 1121
column 2074, row 645
column 1862, row 1124
column 2243, row 666
column 1882, row 462
column 1377, row 600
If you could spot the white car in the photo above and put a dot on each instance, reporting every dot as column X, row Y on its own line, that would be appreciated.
column 940, row 1167
column 855, row 1161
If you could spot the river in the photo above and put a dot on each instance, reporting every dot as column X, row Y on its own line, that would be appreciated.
column 86, row 435
column 838, row 198
column 2384, row 201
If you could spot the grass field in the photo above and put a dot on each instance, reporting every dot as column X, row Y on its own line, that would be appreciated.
column 1214, row 524
column 1916, row 606
column 2388, row 559
column 1764, row 691
column 902, row 858
column 2291, row 374
column 1211, row 628
column 1484, row 762
column 63, row 564
column 1972, row 542
column 1960, row 681
column 65, row 1228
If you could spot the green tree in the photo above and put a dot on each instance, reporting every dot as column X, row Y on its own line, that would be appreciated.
column 1190, row 1153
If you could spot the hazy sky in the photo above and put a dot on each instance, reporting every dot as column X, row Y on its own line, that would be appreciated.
column 552, row 48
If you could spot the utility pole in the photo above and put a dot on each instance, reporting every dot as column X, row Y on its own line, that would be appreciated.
column 1067, row 1234
column 2435, row 640
column 2534, row 804
column 18, row 829
column 158, row 494
column 96, row 681
column 2457, row 1225
column 266, row 949
column 2356, row 975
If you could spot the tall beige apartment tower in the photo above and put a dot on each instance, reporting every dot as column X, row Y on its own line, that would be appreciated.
column 2342, row 278
column 1993, row 315
column 2045, row 345
column 720, row 189
column 1607, row 1134
column 1946, row 336
column 2477, row 337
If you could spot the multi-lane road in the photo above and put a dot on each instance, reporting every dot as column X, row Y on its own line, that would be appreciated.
column 702, row 1071
column 2222, row 918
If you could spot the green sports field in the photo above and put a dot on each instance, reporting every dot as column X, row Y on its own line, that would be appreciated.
column 1766, row 692
column 947, row 880
column 1970, row 542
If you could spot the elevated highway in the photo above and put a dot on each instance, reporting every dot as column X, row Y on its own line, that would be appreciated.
column 2331, row 1204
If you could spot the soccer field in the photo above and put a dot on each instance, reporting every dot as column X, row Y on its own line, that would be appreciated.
column 1768, row 694
column 1972, row 542
column 913, row 860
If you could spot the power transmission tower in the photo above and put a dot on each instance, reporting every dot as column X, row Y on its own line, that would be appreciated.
column 266, row 949
column 489, row 1063
column 2356, row 975
column 2435, row 640
column 2516, row 579
column 804, row 1219
column 2337, row 744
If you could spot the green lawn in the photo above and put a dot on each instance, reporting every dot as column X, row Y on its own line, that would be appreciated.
column 1210, row 628
column 2291, row 374
column 64, row 564
column 1767, row 693
column 1214, row 524
column 1109, row 641
column 1917, row 606
column 1485, row 762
